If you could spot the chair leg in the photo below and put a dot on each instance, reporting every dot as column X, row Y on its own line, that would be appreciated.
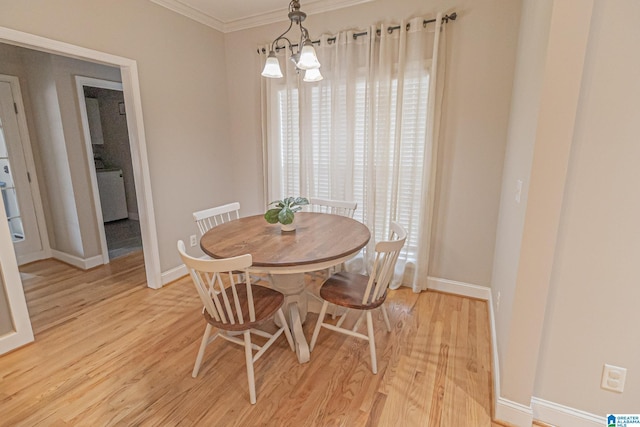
column 249, row 356
column 372, row 343
column 358, row 322
column 285, row 327
column 203, row 346
column 383, row 308
column 316, row 331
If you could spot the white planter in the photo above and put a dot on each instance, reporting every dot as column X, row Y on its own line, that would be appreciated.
column 288, row 227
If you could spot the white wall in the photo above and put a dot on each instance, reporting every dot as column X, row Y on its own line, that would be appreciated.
column 480, row 59
column 567, row 269
column 530, row 68
column 50, row 155
column 65, row 70
column 58, row 147
column 592, row 311
column 181, row 66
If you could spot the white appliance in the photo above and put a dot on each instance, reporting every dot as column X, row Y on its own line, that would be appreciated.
column 112, row 196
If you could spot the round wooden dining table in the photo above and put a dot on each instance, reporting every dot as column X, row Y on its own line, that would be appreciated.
column 319, row 241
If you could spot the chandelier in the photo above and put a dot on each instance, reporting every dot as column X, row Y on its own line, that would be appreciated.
column 303, row 54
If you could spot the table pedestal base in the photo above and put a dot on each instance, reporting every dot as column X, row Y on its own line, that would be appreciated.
column 295, row 301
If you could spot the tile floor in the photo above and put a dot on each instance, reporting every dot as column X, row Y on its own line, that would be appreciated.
column 123, row 237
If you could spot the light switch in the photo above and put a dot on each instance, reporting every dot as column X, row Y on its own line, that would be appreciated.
column 518, row 190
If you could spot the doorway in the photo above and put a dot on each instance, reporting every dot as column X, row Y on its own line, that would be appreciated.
column 105, row 129
column 21, row 330
column 131, row 90
column 18, row 183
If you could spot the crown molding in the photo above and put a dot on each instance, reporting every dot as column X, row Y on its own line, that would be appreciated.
column 280, row 15
column 274, row 16
column 192, row 13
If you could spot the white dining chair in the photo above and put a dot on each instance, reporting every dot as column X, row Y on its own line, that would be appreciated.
column 208, row 218
column 336, row 207
column 363, row 293
column 235, row 308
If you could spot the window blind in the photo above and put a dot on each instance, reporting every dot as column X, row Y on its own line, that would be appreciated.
column 338, row 170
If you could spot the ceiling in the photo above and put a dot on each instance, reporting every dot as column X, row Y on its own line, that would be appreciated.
column 234, row 15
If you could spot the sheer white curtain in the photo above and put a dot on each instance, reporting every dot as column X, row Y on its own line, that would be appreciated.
column 367, row 132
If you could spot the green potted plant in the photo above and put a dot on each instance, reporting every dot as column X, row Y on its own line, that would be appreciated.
column 284, row 212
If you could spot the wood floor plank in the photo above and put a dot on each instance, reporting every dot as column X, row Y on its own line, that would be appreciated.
column 110, row 351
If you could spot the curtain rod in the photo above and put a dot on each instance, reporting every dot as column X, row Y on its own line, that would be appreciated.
column 445, row 19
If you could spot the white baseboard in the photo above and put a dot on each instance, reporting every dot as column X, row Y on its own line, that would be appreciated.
column 82, row 263
column 495, row 360
column 34, row 256
column 173, row 274
column 134, row 216
column 177, row 272
column 513, row 413
column 459, row 288
column 505, row 409
column 563, row 416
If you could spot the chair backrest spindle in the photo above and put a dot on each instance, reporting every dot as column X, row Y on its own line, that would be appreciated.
column 208, row 218
column 336, row 207
column 221, row 295
column 387, row 253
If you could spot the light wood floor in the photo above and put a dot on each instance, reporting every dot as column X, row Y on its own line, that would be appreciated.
column 110, row 351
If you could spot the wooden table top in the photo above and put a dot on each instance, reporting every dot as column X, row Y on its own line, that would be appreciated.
column 318, row 238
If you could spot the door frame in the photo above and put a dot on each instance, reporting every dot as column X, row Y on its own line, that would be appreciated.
column 25, row 143
column 12, row 283
column 81, row 82
column 137, row 139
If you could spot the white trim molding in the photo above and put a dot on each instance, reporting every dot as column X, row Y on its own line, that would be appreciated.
column 20, row 331
column 560, row 415
column 513, row 413
column 133, row 100
column 82, row 263
column 81, row 82
column 36, row 195
column 495, row 361
column 280, row 15
column 174, row 274
column 271, row 17
column 33, row 256
column 191, row 13
column 505, row 409
column 459, row 288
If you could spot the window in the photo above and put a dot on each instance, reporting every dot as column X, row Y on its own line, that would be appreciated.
column 355, row 149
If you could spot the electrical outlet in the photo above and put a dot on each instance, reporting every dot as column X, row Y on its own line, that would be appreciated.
column 194, row 240
column 613, row 378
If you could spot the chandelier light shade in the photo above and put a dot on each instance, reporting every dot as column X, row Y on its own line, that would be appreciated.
column 308, row 59
column 303, row 54
column 272, row 66
column 312, row 75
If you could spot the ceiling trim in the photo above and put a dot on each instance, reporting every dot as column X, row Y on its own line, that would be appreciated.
column 279, row 15
column 192, row 13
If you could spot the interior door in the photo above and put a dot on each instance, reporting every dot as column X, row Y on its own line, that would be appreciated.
column 15, row 185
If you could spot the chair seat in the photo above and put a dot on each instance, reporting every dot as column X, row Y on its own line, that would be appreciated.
column 266, row 302
column 347, row 290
